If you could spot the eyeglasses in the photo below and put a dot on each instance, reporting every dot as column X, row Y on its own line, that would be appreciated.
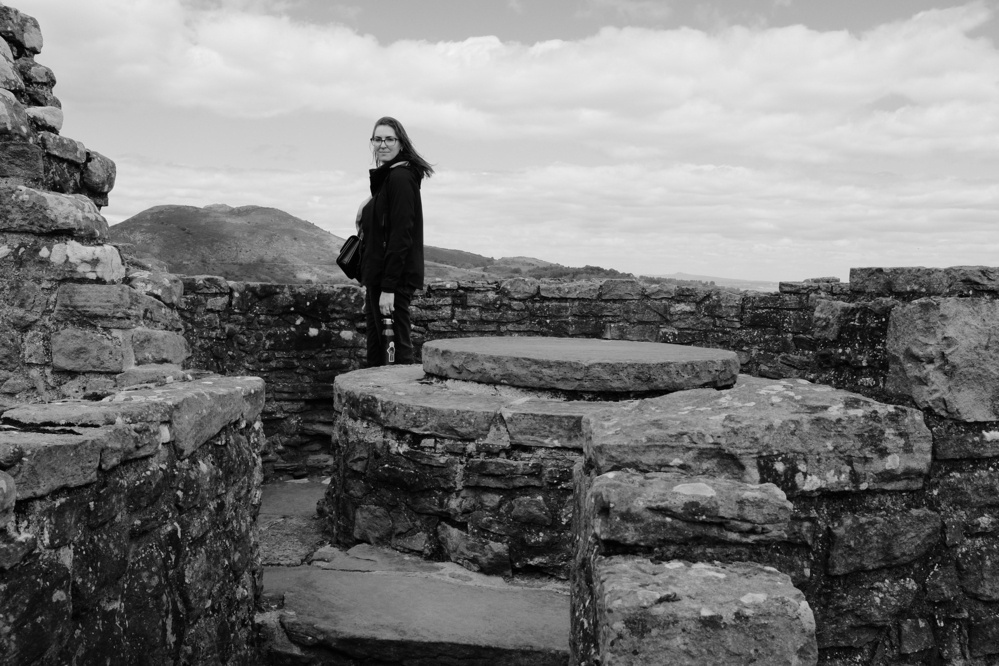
column 387, row 140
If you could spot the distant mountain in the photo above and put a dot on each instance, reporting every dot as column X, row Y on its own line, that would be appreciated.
column 249, row 243
column 257, row 244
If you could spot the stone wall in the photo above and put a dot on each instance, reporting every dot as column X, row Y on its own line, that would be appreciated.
column 128, row 486
column 300, row 337
column 127, row 526
column 899, row 574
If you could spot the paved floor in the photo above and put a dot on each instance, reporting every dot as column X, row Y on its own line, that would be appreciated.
column 374, row 605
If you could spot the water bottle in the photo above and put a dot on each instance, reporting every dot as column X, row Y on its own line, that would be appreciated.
column 388, row 334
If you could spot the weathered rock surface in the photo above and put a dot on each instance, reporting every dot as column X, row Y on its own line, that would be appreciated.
column 804, row 438
column 28, row 210
column 941, row 354
column 113, row 306
column 185, row 414
column 656, row 508
column 376, row 606
column 91, row 350
column 402, row 397
column 866, row 542
column 676, row 613
column 578, row 364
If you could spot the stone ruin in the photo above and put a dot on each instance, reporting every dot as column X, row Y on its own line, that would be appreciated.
column 128, row 485
column 689, row 519
column 835, row 504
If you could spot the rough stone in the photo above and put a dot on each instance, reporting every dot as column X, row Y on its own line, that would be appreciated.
column 10, row 78
column 101, row 262
column 114, row 306
column 907, row 281
column 13, row 118
column 20, row 29
column 20, row 162
column 99, row 172
column 152, row 346
column 53, row 461
column 656, row 508
column 166, row 287
column 867, row 542
column 8, row 495
column 803, row 437
column 92, row 350
column 580, row 364
column 678, row 613
column 978, row 568
column 475, row 553
column 915, row 635
column 984, row 637
column 27, row 210
column 201, row 408
column 939, row 354
column 46, row 118
column 62, row 147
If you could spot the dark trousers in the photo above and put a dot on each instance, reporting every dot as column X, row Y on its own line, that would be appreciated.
column 401, row 324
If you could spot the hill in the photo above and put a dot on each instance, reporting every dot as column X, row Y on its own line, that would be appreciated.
column 249, row 243
column 258, row 244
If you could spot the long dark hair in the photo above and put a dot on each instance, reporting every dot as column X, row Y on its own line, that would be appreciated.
column 406, row 150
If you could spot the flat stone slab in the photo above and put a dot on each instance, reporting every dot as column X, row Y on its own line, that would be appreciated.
column 403, row 397
column 581, row 364
column 289, row 528
column 681, row 614
column 184, row 414
column 802, row 437
column 371, row 604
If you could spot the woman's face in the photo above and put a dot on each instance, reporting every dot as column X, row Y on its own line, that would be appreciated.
column 384, row 152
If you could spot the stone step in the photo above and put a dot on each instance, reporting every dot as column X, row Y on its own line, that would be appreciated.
column 373, row 606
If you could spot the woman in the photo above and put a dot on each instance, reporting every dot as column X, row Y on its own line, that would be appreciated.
column 392, row 252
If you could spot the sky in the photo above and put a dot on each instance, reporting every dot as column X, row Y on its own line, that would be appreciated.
column 753, row 139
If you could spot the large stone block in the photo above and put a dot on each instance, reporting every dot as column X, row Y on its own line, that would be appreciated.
column 100, row 262
column 163, row 286
column 941, row 354
column 152, row 346
column 27, row 210
column 867, row 542
column 681, row 614
column 20, row 29
column 46, row 118
column 803, row 437
column 63, row 147
column 14, row 121
column 92, row 350
column 20, row 162
column 917, row 280
column 99, row 172
column 657, row 508
column 200, row 409
column 10, row 78
column 115, row 306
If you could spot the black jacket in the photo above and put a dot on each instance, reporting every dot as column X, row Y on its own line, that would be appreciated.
column 392, row 255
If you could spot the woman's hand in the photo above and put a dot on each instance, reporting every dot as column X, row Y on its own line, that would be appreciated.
column 357, row 220
column 386, row 303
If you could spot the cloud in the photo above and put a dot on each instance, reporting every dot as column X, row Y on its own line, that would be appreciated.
column 643, row 11
column 736, row 91
column 771, row 152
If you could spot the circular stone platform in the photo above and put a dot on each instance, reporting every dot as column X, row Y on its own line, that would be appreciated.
column 581, row 364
